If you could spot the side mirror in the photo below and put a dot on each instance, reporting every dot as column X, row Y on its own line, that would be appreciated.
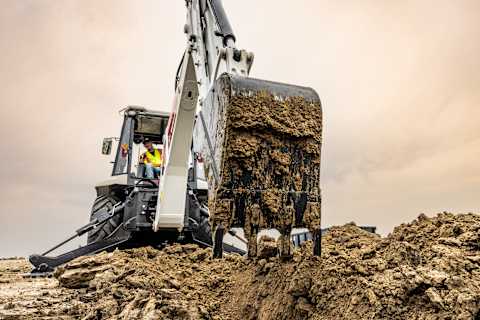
column 107, row 146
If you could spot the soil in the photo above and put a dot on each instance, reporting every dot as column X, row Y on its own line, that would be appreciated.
column 427, row 269
column 30, row 298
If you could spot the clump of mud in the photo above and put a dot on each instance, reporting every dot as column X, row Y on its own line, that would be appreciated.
column 268, row 153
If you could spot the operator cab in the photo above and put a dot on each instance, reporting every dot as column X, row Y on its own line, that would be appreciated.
column 139, row 124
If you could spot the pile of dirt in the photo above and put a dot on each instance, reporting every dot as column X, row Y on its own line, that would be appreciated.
column 179, row 282
column 428, row 269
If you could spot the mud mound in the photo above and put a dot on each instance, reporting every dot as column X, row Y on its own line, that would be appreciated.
column 428, row 269
column 180, row 282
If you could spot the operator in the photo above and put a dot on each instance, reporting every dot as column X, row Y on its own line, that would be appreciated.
column 152, row 158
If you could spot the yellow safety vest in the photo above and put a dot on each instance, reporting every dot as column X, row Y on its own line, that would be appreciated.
column 155, row 159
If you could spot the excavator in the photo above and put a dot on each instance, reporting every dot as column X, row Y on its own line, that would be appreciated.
column 238, row 152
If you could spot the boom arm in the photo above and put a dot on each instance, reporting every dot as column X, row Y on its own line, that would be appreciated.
column 212, row 43
column 210, row 52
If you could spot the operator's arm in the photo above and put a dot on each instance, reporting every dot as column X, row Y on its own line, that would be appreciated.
column 143, row 158
column 160, row 151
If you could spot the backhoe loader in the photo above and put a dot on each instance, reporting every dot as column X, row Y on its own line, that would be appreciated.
column 238, row 152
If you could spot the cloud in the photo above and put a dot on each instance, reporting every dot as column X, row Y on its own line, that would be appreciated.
column 399, row 80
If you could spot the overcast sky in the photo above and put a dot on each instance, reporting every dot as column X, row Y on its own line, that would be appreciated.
column 399, row 81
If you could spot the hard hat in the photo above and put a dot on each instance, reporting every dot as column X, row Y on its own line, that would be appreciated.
column 146, row 140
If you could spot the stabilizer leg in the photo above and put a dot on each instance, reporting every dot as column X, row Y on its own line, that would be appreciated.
column 43, row 263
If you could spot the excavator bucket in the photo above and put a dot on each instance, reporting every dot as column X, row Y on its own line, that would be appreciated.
column 261, row 148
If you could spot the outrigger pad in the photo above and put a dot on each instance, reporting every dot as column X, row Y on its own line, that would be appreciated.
column 263, row 159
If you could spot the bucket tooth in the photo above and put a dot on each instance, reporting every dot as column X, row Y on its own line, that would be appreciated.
column 251, row 228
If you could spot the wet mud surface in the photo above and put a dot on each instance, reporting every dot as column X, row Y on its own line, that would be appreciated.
column 30, row 298
column 427, row 269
